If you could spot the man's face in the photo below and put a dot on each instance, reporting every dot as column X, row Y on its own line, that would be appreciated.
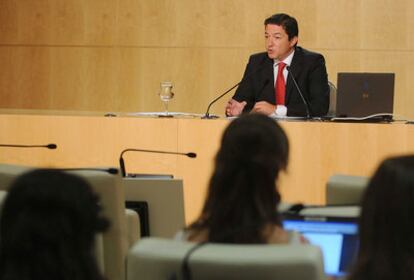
column 277, row 42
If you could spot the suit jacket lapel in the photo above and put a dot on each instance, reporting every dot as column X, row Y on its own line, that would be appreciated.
column 268, row 72
column 266, row 89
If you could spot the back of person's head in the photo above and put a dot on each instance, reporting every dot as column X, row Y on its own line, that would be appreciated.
column 289, row 24
column 242, row 196
column 47, row 228
column 387, row 223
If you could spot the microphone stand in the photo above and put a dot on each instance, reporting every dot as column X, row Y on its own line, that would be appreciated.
column 308, row 115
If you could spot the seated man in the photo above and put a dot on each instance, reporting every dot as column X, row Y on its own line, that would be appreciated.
column 268, row 86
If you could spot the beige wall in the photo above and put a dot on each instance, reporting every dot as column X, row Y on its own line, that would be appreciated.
column 110, row 55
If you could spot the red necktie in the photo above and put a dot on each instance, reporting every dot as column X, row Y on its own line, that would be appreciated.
column 280, row 89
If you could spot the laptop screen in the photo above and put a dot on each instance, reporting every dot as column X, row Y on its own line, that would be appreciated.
column 337, row 238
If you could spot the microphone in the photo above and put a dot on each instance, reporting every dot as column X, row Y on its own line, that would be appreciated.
column 207, row 114
column 48, row 146
column 122, row 162
column 308, row 115
column 110, row 170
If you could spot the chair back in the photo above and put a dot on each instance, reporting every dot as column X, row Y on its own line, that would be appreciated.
column 112, row 245
column 115, row 239
column 2, row 197
column 345, row 189
column 156, row 258
column 9, row 172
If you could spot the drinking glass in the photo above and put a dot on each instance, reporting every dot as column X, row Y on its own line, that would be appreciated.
column 166, row 95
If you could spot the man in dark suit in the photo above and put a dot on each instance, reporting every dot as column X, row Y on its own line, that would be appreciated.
column 267, row 86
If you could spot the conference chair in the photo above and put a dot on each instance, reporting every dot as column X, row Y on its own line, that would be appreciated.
column 332, row 100
column 9, row 172
column 345, row 189
column 133, row 227
column 115, row 239
column 156, row 258
column 2, row 197
column 112, row 246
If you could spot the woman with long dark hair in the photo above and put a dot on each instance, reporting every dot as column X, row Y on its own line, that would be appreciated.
column 48, row 224
column 242, row 199
column 386, row 226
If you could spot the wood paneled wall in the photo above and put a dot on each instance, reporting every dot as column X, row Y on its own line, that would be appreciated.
column 110, row 55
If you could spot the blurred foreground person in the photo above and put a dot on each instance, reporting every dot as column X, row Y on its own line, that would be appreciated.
column 387, row 223
column 48, row 224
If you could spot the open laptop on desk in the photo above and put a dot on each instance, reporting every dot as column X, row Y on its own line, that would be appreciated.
column 362, row 95
column 336, row 236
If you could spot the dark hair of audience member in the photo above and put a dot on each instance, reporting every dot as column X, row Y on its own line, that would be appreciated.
column 387, row 223
column 48, row 224
column 242, row 198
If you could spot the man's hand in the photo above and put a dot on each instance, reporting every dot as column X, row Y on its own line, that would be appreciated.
column 264, row 107
column 234, row 108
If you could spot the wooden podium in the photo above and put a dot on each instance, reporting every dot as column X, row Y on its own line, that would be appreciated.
column 317, row 149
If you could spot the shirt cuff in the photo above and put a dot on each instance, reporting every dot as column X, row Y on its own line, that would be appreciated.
column 280, row 111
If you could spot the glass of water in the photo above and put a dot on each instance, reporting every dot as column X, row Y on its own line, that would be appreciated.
column 166, row 95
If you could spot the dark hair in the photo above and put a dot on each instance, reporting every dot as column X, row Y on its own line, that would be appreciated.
column 387, row 223
column 47, row 228
column 242, row 198
column 289, row 24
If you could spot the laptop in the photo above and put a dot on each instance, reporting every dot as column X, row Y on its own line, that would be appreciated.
column 336, row 236
column 361, row 95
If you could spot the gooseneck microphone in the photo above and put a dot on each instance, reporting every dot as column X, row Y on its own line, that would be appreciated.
column 122, row 163
column 109, row 170
column 207, row 114
column 48, row 146
column 308, row 115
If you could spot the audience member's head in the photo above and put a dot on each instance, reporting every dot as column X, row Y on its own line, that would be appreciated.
column 387, row 223
column 242, row 197
column 47, row 228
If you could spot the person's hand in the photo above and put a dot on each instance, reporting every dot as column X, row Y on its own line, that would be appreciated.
column 264, row 107
column 234, row 108
column 303, row 240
